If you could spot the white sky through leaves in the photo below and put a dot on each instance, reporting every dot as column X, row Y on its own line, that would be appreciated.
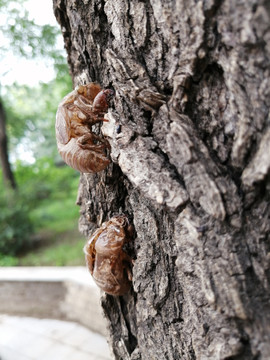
column 24, row 71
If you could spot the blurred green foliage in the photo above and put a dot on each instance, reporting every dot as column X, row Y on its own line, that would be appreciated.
column 45, row 200
column 6, row 260
column 60, row 254
column 15, row 227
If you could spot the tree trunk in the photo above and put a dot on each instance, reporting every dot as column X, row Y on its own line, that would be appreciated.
column 6, row 168
column 190, row 149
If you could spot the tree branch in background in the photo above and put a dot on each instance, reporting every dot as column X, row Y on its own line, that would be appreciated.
column 6, row 168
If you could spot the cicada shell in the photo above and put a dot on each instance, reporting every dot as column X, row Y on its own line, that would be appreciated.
column 78, row 145
column 107, row 262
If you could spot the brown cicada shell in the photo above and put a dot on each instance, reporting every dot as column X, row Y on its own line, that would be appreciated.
column 78, row 145
column 107, row 262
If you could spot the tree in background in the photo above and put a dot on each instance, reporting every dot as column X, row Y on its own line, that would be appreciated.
column 190, row 139
column 6, row 168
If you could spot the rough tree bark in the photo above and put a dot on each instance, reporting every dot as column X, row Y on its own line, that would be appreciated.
column 190, row 148
column 5, row 165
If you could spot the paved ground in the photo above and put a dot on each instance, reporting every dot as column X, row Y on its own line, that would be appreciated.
column 23, row 338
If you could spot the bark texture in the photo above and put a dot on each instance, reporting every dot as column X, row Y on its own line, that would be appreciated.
column 190, row 148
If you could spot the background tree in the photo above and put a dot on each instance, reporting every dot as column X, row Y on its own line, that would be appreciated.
column 190, row 138
column 5, row 164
